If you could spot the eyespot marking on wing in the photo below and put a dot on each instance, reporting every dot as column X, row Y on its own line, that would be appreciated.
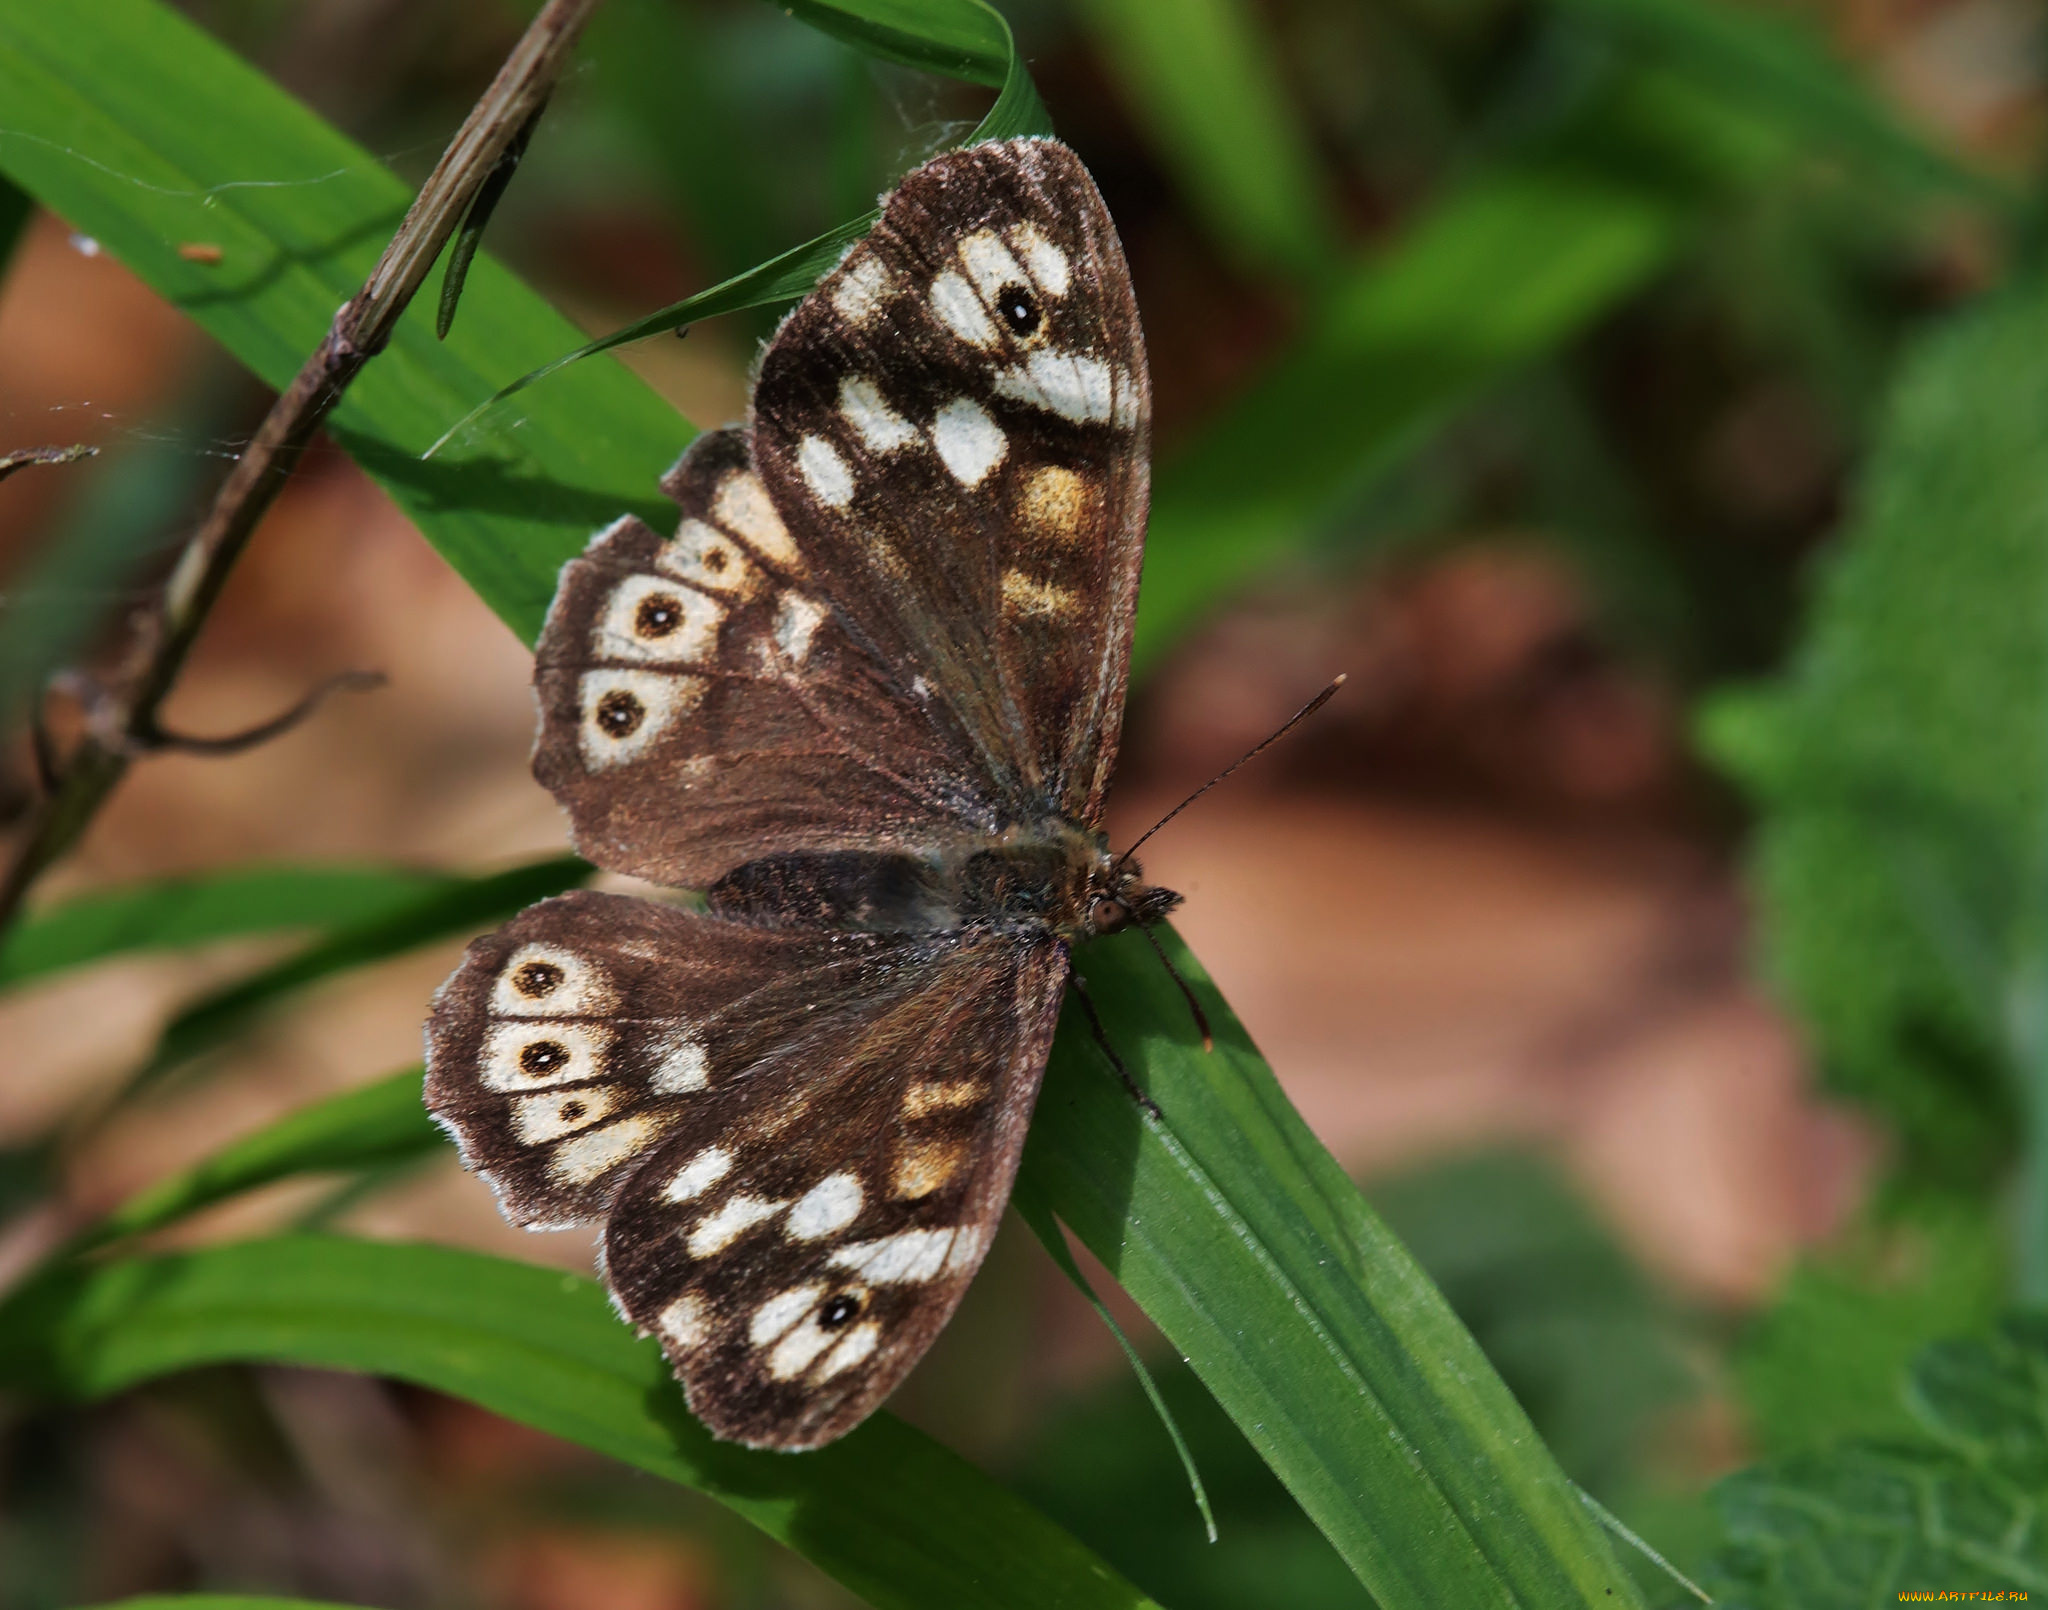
column 523, row 1054
column 550, row 1115
column 826, row 1208
column 651, row 620
column 549, row 981
column 624, row 711
column 968, row 441
column 704, row 555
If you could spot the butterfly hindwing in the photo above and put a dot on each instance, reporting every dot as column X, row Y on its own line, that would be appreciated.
column 701, row 704
column 955, row 426
column 801, row 1140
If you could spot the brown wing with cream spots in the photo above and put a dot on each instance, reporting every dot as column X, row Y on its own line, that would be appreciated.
column 702, row 704
column 796, row 1266
column 954, row 426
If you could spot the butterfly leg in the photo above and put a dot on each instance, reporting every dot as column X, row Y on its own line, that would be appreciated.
column 1087, row 1001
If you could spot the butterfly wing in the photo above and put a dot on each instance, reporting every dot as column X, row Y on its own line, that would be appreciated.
column 702, row 704
column 802, row 1140
column 954, row 426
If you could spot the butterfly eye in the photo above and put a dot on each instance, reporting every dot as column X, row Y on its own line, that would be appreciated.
column 1018, row 310
column 841, row 1310
column 536, row 979
column 1109, row 915
column 619, row 713
column 543, row 1056
column 658, row 616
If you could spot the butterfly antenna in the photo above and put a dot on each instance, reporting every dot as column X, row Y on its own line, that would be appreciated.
column 1277, row 734
column 1187, row 994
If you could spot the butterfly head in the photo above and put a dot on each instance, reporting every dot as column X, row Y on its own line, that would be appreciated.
column 1120, row 898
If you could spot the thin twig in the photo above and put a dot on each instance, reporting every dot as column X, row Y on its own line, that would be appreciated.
column 358, row 333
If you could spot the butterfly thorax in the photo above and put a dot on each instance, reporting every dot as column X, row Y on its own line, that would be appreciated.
column 1054, row 878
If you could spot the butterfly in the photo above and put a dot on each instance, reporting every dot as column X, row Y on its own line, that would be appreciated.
column 867, row 696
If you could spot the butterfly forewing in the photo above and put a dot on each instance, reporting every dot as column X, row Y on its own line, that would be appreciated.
column 955, row 428
column 702, row 704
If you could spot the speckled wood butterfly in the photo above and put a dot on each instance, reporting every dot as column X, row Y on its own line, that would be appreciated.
column 868, row 695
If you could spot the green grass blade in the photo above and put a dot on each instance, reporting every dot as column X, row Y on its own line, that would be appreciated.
column 458, row 906
column 369, row 1127
column 181, row 913
column 947, row 36
column 1047, row 1228
column 1204, row 76
column 886, row 1511
column 1248, row 1247
column 145, row 133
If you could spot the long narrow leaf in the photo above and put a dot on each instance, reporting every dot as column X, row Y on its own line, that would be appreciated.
column 887, row 1511
column 459, row 906
column 179, row 913
column 369, row 1127
column 962, row 37
column 199, row 147
column 1251, row 1250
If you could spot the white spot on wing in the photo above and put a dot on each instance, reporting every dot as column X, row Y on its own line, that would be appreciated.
column 523, row 988
column 743, row 508
column 825, row 472
column 827, row 1207
column 579, row 1051
column 989, row 263
column 1046, row 263
column 774, row 1317
column 698, row 1175
column 596, row 1152
column 793, row 1354
column 797, row 619
column 717, row 1231
column 682, row 1323
column 970, row 443
column 908, row 1256
column 873, row 420
column 689, row 636
column 663, row 697
column 864, row 289
column 853, row 1347
column 682, row 1067
column 959, row 310
column 1070, row 384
